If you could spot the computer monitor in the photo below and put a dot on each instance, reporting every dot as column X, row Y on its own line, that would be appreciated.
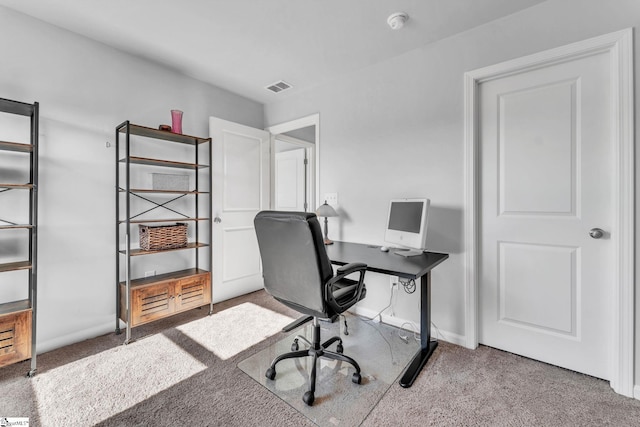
column 407, row 225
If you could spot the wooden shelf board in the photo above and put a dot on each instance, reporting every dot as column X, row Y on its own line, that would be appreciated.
column 163, row 134
column 144, row 221
column 17, row 186
column 164, row 163
column 15, row 107
column 11, row 227
column 13, row 266
column 166, row 276
column 15, row 146
column 14, row 306
column 138, row 252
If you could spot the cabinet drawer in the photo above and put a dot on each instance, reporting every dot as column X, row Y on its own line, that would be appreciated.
column 15, row 337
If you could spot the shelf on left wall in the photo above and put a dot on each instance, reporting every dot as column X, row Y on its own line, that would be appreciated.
column 18, row 318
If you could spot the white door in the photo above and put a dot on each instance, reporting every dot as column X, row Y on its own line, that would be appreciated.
column 546, row 162
column 290, row 182
column 240, row 190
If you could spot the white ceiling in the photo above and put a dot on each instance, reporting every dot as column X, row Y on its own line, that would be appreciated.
column 245, row 45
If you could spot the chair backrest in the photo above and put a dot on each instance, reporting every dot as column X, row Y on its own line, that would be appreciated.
column 294, row 260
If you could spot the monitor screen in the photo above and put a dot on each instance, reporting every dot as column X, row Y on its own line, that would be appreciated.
column 407, row 223
column 406, row 216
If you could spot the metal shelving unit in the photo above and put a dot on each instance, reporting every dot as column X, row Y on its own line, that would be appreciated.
column 162, row 302
column 18, row 318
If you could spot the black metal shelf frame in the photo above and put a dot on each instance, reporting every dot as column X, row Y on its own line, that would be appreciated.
column 33, row 112
column 128, row 129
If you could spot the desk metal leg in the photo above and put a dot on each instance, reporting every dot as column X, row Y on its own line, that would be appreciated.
column 426, row 346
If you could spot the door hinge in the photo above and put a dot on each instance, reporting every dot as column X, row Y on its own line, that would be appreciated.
column 306, row 162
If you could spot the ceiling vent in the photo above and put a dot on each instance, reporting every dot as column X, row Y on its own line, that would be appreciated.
column 278, row 86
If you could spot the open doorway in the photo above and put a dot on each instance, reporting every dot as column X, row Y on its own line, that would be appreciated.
column 294, row 164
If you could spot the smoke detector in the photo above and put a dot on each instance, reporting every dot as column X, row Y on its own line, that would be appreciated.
column 397, row 20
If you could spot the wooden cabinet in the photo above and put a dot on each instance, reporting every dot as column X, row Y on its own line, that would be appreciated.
column 165, row 295
column 17, row 318
column 143, row 300
column 15, row 336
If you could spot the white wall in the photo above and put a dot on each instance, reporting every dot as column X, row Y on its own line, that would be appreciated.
column 85, row 89
column 396, row 129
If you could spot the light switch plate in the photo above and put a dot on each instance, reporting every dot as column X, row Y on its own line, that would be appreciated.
column 332, row 199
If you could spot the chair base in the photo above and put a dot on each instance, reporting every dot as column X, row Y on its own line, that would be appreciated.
column 296, row 323
column 316, row 350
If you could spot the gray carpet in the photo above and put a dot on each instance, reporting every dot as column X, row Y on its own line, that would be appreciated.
column 189, row 384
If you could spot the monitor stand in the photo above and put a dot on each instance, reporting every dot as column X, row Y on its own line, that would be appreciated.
column 408, row 252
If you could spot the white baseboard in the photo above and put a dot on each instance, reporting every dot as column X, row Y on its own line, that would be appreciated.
column 75, row 337
column 402, row 323
column 636, row 392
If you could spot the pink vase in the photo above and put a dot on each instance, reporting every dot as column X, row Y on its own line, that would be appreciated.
column 176, row 121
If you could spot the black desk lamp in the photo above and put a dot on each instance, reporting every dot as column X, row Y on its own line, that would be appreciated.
column 326, row 211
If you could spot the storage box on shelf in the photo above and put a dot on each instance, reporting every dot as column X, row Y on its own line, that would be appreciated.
column 169, row 181
column 160, row 237
column 17, row 318
column 143, row 300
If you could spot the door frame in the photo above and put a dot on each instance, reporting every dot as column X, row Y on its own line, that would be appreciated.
column 313, row 155
column 620, row 47
column 309, row 156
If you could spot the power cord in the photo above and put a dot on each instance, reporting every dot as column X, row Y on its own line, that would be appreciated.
column 438, row 333
column 416, row 333
column 409, row 285
column 405, row 338
column 379, row 314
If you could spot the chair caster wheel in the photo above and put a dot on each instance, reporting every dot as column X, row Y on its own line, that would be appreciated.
column 308, row 398
column 270, row 374
column 356, row 378
column 339, row 349
column 295, row 346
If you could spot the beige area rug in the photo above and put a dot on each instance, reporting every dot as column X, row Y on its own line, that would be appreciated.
column 121, row 377
column 226, row 333
column 378, row 349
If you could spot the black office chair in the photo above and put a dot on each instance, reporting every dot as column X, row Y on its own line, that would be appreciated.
column 297, row 272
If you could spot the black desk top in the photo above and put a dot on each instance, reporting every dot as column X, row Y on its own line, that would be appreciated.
column 342, row 253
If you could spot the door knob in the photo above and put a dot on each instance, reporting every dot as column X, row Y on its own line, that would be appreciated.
column 596, row 233
column 217, row 220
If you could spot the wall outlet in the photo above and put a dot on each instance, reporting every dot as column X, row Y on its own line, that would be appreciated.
column 149, row 273
column 331, row 199
column 393, row 281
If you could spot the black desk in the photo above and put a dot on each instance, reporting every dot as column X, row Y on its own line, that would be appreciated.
column 420, row 266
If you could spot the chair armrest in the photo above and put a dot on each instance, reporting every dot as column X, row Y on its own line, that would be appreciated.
column 343, row 272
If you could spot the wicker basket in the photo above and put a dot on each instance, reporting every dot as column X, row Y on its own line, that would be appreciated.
column 159, row 237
